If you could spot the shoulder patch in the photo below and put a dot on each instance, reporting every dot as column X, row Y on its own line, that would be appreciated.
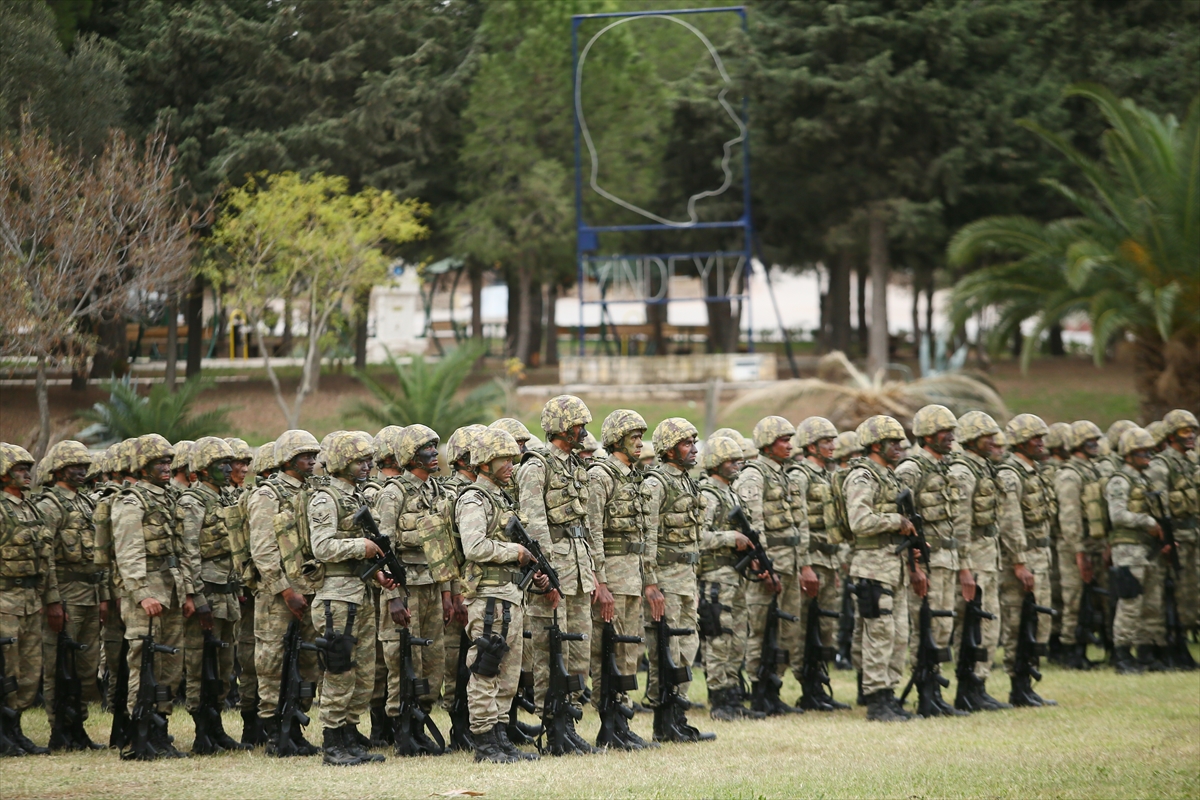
column 470, row 499
column 130, row 500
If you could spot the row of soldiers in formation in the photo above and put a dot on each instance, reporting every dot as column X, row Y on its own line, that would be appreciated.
column 211, row 540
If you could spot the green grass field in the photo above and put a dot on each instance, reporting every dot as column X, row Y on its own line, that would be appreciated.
column 1110, row 736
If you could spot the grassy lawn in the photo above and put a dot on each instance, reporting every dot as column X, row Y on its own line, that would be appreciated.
column 1109, row 737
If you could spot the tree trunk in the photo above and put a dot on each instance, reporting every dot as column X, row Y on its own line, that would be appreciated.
column 1166, row 376
column 285, row 341
column 362, row 307
column 1055, row 341
column 476, row 276
column 551, row 326
column 112, row 354
column 929, row 309
column 656, row 313
column 43, row 404
column 1018, row 342
column 524, row 307
column 839, row 302
column 720, row 315
column 877, row 344
column 172, row 342
column 861, row 298
column 916, row 314
column 536, row 328
column 194, row 319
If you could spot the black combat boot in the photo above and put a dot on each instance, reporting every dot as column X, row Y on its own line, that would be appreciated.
column 270, row 732
column 252, row 731
column 303, row 746
column 1072, row 657
column 737, row 701
column 508, row 747
column 336, row 754
column 163, row 742
column 352, row 743
column 205, row 743
column 722, row 709
column 382, row 734
column 8, row 748
column 861, row 700
column 1147, row 656
column 24, row 742
column 1022, row 695
column 944, row 708
column 488, row 748
column 224, row 740
column 690, row 732
column 1125, row 663
column 881, row 709
column 580, row 744
column 990, row 703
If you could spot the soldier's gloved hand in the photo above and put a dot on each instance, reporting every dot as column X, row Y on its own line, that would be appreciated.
column 1024, row 576
column 295, row 602
column 398, row 609
column 809, row 583
column 604, row 598
column 55, row 617
column 966, row 581
column 1085, row 567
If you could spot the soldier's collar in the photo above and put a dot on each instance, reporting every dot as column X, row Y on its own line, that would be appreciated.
column 487, row 484
column 289, row 480
column 346, row 485
column 153, row 488
column 12, row 498
column 621, row 466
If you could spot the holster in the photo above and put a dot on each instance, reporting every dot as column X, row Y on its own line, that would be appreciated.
column 1124, row 583
column 491, row 647
column 339, row 647
column 869, row 593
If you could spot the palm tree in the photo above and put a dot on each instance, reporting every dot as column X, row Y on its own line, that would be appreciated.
column 426, row 393
column 1130, row 262
column 127, row 414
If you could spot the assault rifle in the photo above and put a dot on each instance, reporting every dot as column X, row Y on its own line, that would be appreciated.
column 767, row 683
column 1029, row 650
column 208, row 716
column 756, row 553
column 1176, row 654
column 146, row 722
column 814, row 674
column 614, row 715
column 122, row 729
column 1092, row 627
column 8, row 685
column 917, row 546
column 413, row 723
column 970, row 652
column 558, row 715
column 845, row 637
column 515, row 532
column 927, row 676
column 460, row 715
column 670, row 722
column 67, row 732
column 388, row 559
column 293, row 691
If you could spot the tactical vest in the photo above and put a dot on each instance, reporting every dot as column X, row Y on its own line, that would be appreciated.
column 1138, row 504
column 682, row 512
column 724, row 500
column 824, row 532
column 1091, row 496
column 885, row 499
column 497, row 510
column 238, row 520
column 777, row 499
column 1035, row 498
column 985, row 499
column 157, row 530
column 1181, row 488
column 415, row 509
column 1048, row 469
column 22, row 549
column 935, row 493
column 75, row 541
column 105, row 557
column 214, row 530
column 440, row 540
column 346, row 504
column 295, row 552
column 566, row 491
column 623, row 515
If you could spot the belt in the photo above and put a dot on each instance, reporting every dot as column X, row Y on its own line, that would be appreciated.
column 878, row 540
column 161, row 563
column 983, row 531
column 943, row 543
column 67, row 576
column 27, row 582
column 783, row 541
column 560, row 532
column 620, row 547
column 499, row 574
column 343, row 569
column 827, row 548
column 678, row 557
column 708, row 562
column 220, row 588
column 1186, row 525
column 1041, row 541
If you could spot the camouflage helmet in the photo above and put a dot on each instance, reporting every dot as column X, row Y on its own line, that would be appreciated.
column 64, row 454
column 514, row 427
column 879, row 428
column 749, row 451
column 326, row 440
column 718, row 450
column 208, row 450
column 813, row 430
column 1178, row 419
column 122, row 459
column 564, row 412
column 670, row 432
column 728, row 433
column 1116, row 429
column 1105, row 448
column 975, row 424
column 387, row 440
column 534, row 443
column 1157, row 431
column 183, row 455
column 293, row 443
column 1001, row 440
column 1083, row 430
column 264, row 459
column 347, row 447
column 590, row 443
column 769, row 429
column 99, row 465
column 933, row 418
column 1023, row 427
column 847, row 445
column 11, row 455
column 150, row 447
column 647, row 452
column 619, row 424
column 458, row 446
column 413, row 439
column 493, row 443
column 241, row 450
column 1135, row 439
column 1057, row 436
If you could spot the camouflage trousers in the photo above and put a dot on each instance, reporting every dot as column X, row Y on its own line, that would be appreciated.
column 1072, row 590
column 943, row 591
column 22, row 659
column 627, row 620
column 451, row 639
column 723, row 654
column 168, row 630
column 829, row 599
column 489, row 699
column 758, row 602
column 83, row 625
column 1139, row 620
column 425, row 607
column 1012, row 596
column 1187, row 588
column 248, row 679
column 379, row 683
column 271, row 620
column 225, row 630
column 113, row 635
column 885, row 637
column 680, row 613
column 574, row 616
column 1056, row 590
column 346, row 696
column 989, row 629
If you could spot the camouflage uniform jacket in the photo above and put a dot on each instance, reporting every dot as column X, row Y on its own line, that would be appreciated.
column 200, row 515
column 718, row 553
column 270, row 509
column 678, row 577
column 479, row 518
column 752, row 489
column 809, row 481
column 976, row 512
column 1024, row 498
column 936, row 498
column 22, row 533
column 1069, row 482
column 1126, row 512
column 149, row 552
column 569, row 555
column 624, row 572
column 335, row 542
column 399, row 506
column 68, row 517
column 1176, row 476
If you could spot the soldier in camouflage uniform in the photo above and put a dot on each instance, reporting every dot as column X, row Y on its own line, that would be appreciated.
column 675, row 534
column 811, row 476
column 1078, row 488
column 1109, row 463
column 340, row 609
column 181, row 476
column 973, row 474
column 82, row 586
column 1136, row 541
column 522, row 436
column 1057, row 454
column 1176, row 475
column 386, row 469
column 156, row 572
column 285, row 591
column 552, row 489
column 203, row 516
column 847, row 447
column 495, row 612
column 588, row 447
column 883, row 579
column 936, row 498
column 770, row 502
column 28, row 584
column 116, row 465
column 615, row 512
column 1024, row 518
column 240, row 481
column 722, row 589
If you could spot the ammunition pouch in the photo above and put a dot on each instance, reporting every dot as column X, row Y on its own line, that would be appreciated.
column 490, row 648
column 338, row 647
column 826, row 548
column 869, row 593
column 1124, row 583
column 783, row 541
column 677, row 557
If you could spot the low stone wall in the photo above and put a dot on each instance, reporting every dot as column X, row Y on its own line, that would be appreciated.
column 637, row 370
